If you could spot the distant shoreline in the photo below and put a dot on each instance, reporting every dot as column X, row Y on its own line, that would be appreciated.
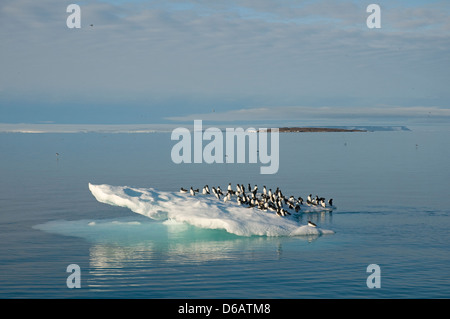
column 167, row 128
column 314, row 130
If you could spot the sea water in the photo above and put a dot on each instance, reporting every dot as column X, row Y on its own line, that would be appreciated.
column 391, row 190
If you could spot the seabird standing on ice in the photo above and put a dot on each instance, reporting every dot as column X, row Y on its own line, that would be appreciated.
column 280, row 194
column 215, row 193
column 280, row 202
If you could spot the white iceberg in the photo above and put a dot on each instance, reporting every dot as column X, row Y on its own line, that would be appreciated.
column 202, row 211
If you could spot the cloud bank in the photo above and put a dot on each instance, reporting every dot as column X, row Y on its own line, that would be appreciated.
column 146, row 61
column 301, row 113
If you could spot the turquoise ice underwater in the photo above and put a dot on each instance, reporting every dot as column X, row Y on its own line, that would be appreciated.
column 390, row 189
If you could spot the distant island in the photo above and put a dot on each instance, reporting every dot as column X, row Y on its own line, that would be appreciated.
column 314, row 129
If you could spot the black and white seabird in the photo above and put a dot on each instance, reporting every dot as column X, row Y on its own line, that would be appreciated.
column 182, row 190
column 280, row 202
column 310, row 223
column 279, row 212
column 215, row 193
column 192, row 192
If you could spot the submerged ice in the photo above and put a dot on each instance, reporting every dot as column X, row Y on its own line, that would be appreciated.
column 202, row 211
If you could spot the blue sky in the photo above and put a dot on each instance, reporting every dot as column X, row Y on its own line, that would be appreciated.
column 165, row 61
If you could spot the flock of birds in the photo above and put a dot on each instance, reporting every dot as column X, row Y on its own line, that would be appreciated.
column 265, row 200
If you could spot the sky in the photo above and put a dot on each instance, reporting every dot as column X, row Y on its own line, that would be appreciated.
column 164, row 61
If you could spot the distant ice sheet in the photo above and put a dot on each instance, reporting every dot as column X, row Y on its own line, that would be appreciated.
column 202, row 211
column 143, row 128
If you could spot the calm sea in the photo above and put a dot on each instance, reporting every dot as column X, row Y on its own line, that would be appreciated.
column 391, row 189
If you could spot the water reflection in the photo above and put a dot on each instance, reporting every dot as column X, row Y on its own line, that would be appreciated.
column 140, row 242
column 319, row 218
